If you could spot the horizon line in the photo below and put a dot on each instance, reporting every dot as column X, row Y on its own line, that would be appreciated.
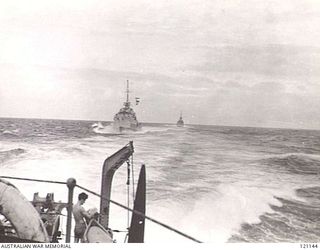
column 169, row 123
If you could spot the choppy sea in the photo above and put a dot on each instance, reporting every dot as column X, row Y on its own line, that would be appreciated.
column 217, row 184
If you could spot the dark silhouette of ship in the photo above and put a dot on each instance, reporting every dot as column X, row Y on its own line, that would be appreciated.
column 126, row 118
column 180, row 122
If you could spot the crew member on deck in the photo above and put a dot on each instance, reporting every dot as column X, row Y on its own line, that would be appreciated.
column 80, row 216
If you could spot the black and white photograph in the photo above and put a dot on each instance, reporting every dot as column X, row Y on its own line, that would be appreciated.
column 159, row 122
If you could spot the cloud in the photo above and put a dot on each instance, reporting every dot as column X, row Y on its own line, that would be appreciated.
column 223, row 62
column 277, row 61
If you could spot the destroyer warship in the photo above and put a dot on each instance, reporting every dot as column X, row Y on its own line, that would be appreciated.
column 126, row 118
column 180, row 122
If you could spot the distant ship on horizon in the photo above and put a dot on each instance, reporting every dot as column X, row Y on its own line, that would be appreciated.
column 180, row 122
column 126, row 118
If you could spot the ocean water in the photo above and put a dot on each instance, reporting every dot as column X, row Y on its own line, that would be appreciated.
column 217, row 184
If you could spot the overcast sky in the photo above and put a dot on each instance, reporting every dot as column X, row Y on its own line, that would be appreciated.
column 246, row 63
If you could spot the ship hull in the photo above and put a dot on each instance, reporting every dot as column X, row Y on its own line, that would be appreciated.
column 180, row 123
column 126, row 127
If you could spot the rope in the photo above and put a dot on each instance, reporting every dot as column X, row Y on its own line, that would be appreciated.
column 132, row 170
column 128, row 192
column 125, row 238
column 141, row 214
column 113, row 202
column 30, row 179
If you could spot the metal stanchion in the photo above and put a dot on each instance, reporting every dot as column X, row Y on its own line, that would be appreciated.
column 71, row 183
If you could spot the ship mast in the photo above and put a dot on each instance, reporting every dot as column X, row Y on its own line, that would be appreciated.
column 127, row 103
column 127, row 90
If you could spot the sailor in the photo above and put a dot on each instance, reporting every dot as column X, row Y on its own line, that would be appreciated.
column 80, row 217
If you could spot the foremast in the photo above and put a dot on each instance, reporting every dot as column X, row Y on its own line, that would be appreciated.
column 127, row 103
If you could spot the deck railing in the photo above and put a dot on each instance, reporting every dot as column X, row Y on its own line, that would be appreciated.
column 71, row 184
